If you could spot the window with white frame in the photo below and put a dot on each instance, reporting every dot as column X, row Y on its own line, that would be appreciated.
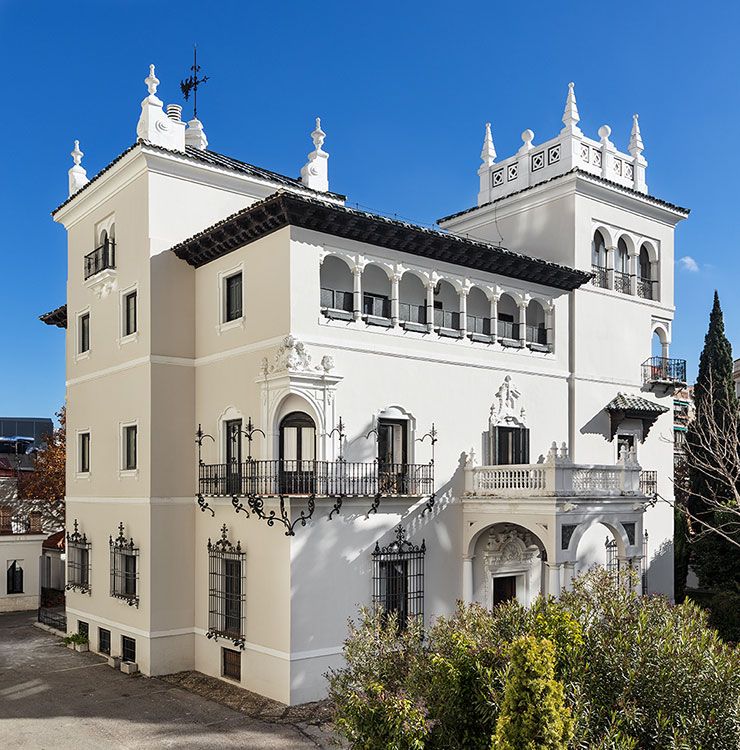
column 124, row 568
column 83, row 333
column 83, row 452
column 78, row 561
column 232, row 297
column 129, row 447
column 130, row 322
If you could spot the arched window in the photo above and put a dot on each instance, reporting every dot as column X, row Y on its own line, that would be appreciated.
column 446, row 308
column 297, row 454
column 508, row 325
column 412, row 307
column 376, row 296
column 536, row 324
column 622, row 268
column 598, row 260
column 337, row 298
column 644, row 274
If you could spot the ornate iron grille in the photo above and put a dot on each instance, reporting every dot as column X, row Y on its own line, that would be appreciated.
column 226, row 578
column 649, row 483
column 662, row 369
column 600, row 276
column 621, row 282
column 398, row 578
column 645, row 288
column 124, row 569
column 78, row 562
column 614, row 566
column 101, row 258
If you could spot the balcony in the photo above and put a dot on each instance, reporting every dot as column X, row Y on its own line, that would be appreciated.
column 103, row 258
column 413, row 317
column 282, row 478
column 447, row 323
column 600, row 278
column 622, row 282
column 663, row 375
column 645, row 288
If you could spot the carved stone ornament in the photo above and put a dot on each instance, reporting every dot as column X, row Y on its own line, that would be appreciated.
column 508, row 408
column 293, row 357
column 509, row 547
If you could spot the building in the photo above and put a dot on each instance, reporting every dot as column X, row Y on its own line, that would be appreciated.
column 33, row 430
column 20, row 549
column 280, row 408
column 683, row 414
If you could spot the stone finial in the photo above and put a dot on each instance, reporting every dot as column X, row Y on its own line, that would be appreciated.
column 77, row 174
column 152, row 82
column 315, row 173
column 571, row 117
column 636, row 146
column 195, row 135
column 154, row 125
column 488, row 153
column 604, row 132
column 527, row 138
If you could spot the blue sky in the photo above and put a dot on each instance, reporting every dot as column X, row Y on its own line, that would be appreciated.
column 403, row 90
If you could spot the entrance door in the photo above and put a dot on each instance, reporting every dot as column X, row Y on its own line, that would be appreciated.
column 297, row 470
column 233, row 454
column 504, row 589
column 392, row 457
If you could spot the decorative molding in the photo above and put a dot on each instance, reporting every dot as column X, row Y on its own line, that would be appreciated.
column 508, row 410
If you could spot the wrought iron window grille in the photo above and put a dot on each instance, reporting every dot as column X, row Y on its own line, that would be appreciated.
column 124, row 568
column 254, row 480
column 398, row 578
column 615, row 566
column 226, row 590
column 78, row 562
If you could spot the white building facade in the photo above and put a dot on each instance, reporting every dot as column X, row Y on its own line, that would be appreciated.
column 280, row 409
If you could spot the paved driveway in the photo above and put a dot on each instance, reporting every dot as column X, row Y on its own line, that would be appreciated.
column 51, row 697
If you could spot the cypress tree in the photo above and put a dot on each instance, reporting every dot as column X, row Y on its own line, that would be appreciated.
column 715, row 560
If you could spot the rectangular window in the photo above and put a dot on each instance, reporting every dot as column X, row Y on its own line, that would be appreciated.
column 84, row 333
column 15, row 577
column 128, row 649
column 104, row 641
column 129, row 575
column 232, row 664
column 83, row 628
column 509, row 445
column 233, row 297
column 226, row 589
column 129, row 314
column 78, row 561
column 124, row 573
column 376, row 305
column 84, row 462
column 129, row 447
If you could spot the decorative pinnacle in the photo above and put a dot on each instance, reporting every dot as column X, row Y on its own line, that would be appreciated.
column 152, row 81
column 636, row 146
column 488, row 153
column 76, row 154
column 318, row 136
column 571, row 117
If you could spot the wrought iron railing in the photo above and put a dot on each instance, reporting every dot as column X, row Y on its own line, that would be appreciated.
column 645, row 288
column 101, row 258
column 663, row 370
column 600, row 278
column 54, row 618
column 335, row 299
column 409, row 313
column 649, row 483
column 622, row 282
column 320, row 478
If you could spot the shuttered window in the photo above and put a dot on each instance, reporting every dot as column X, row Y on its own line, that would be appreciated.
column 233, row 297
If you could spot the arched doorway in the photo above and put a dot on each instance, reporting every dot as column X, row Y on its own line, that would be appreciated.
column 297, row 465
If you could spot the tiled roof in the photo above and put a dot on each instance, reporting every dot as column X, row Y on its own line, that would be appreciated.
column 290, row 209
column 54, row 541
column 583, row 173
column 56, row 317
column 631, row 403
column 211, row 158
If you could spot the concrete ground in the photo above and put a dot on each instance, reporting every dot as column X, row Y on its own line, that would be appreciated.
column 53, row 698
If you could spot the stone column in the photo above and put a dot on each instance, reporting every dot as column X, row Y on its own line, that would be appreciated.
column 357, row 292
column 494, row 318
column 633, row 273
column 611, row 254
column 522, row 307
column 463, row 312
column 467, row 592
column 430, row 306
column 553, row 582
column 395, row 279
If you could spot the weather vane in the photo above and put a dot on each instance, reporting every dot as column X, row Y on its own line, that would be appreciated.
column 192, row 82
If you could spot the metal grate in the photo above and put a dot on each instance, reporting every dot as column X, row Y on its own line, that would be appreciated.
column 614, row 566
column 78, row 561
column 104, row 641
column 128, row 649
column 231, row 664
column 622, row 282
column 600, row 278
column 226, row 579
column 398, row 578
column 54, row 618
column 124, row 569
column 649, row 483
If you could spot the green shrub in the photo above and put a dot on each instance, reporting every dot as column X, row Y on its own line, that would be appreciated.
column 76, row 638
column 533, row 714
column 724, row 615
column 637, row 673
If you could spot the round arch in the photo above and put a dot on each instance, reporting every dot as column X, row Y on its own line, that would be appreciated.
column 613, row 525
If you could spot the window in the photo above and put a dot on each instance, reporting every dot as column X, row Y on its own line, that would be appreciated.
column 78, row 561
column 233, row 455
column 128, row 649
column 509, row 445
column 233, row 297
column 129, row 447
column 393, row 475
column 226, row 590
column 297, row 454
column 398, row 578
column 124, row 573
column 83, row 628
column 598, row 261
column 104, row 641
column 84, row 452
column 376, row 305
column 15, row 577
column 231, row 664
column 83, row 343
column 129, row 314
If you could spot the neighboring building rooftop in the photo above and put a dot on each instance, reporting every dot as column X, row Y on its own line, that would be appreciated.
column 37, row 428
column 57, row 317
column 288, row 209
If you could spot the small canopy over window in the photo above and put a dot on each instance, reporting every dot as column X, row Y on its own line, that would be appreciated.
column 626, row 406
